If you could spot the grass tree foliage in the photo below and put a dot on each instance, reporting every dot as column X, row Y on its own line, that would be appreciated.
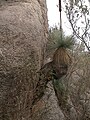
column 61, row 60
column 61, row 47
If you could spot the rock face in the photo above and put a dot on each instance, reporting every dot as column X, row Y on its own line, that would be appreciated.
column 47, row 108
column 23, row 34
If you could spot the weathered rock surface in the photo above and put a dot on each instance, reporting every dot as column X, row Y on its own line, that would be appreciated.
column 47, row 108
column 23, row 34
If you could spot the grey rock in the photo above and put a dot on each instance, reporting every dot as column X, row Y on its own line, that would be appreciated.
column 23, row 34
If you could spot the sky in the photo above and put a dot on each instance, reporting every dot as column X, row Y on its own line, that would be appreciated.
column 54, row 16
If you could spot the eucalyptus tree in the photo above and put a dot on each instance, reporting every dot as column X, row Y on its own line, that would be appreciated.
column 78, row 14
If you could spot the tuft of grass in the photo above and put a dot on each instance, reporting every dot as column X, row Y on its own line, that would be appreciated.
column 60, row 44
column 56, row 40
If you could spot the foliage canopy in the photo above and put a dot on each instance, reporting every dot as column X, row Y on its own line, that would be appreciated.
column 56, row 40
